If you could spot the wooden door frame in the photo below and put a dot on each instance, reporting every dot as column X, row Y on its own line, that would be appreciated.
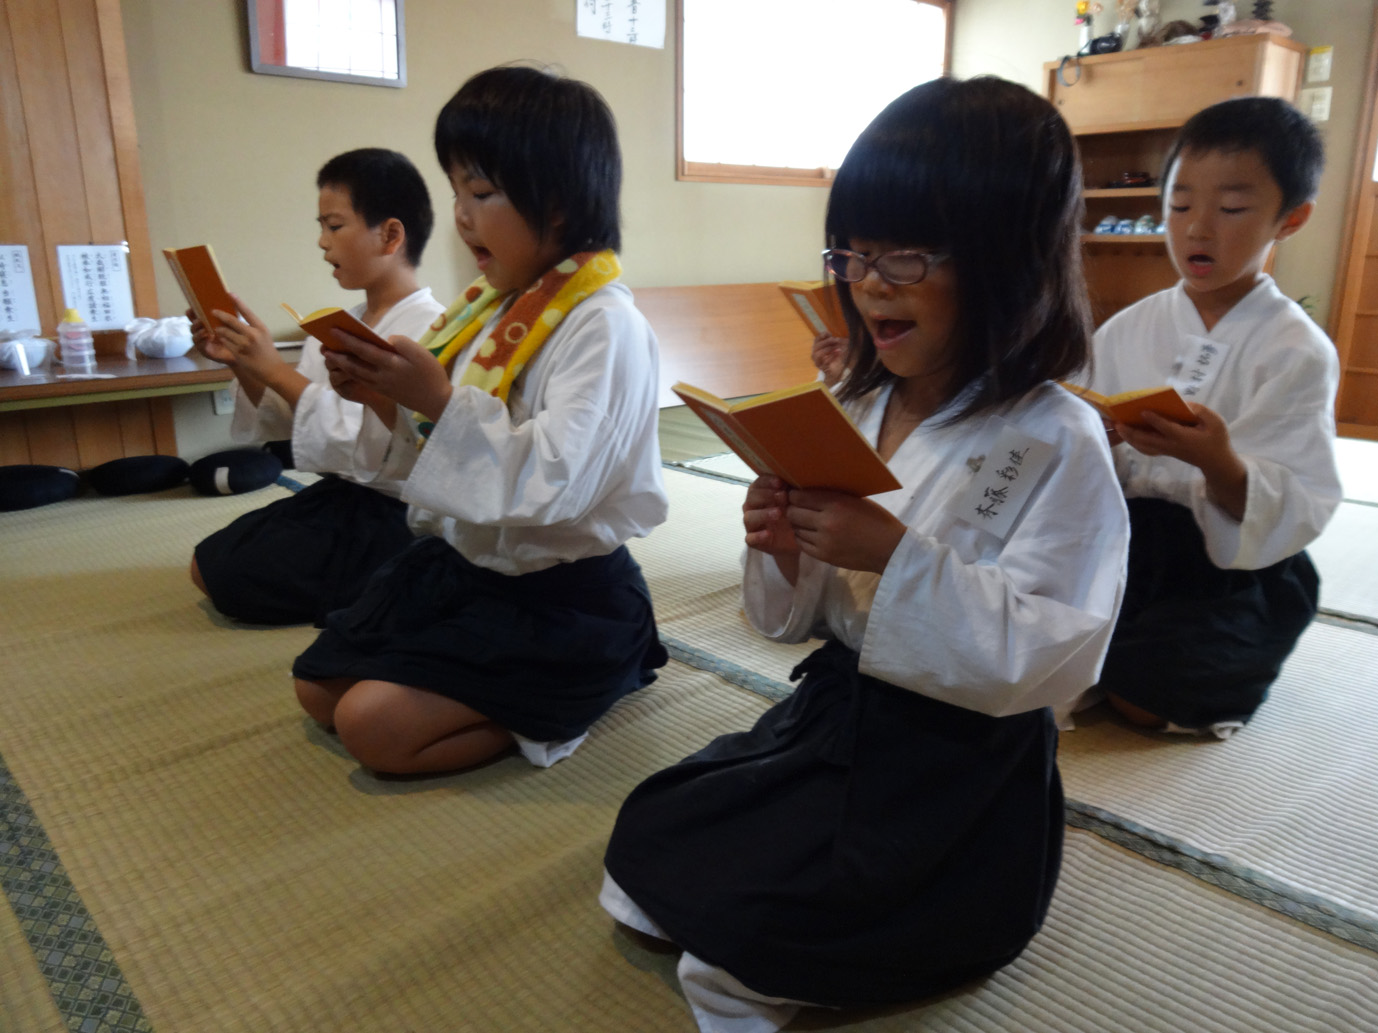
column 1358, row 220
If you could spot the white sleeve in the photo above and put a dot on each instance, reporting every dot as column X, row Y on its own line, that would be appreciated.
column 1285, row 436
column 331, row 434
column 1026, row 629
column 270, row 420
column 777, row 609
column 597, row 380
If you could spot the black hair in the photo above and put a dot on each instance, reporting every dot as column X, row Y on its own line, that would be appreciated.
column 987, row 172
column 1281, row 135
column 384, row 185
column 548, row 142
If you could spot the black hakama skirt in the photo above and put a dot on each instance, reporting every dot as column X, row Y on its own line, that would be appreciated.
column 543, row 654
column 1196, row 644
column 295, row 560
column 862, row 844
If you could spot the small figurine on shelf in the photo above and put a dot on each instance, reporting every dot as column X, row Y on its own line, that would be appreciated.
column 1178, row 31
column 1124, row 18
column 1086, row 11
column 1261, row 21
column 1149, row 20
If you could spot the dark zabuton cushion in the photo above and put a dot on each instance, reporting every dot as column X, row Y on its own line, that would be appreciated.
column 135, row 475
column 234, row 472
column 25, row 486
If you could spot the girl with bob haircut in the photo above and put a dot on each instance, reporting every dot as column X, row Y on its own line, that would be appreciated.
column 894, row 828
column 523, row 424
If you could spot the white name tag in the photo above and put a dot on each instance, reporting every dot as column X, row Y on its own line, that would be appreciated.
column 1013, row 466
column 1199, row 365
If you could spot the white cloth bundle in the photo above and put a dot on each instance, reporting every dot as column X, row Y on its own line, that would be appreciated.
column 159, row 338
column 25, row 351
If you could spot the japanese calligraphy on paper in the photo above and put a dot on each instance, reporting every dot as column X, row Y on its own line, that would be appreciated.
column 641, row 22
column 18, row 303
column 95, row 282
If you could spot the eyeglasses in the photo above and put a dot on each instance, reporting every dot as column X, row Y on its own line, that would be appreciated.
column 899, row 268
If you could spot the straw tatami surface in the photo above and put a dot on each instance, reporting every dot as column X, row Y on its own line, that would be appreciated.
column 182, row 850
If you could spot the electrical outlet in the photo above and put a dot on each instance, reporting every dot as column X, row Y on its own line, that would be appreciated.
column 223, row 401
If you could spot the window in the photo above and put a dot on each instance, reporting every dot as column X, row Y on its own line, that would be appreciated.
column 775, row 91
column 344, row 40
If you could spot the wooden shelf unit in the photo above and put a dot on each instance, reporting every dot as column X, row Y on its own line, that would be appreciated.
column 1124, row 110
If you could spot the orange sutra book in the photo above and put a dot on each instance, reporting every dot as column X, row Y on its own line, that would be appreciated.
column 198, row 274
column 800, row 435
column 1129, row 406
column 319, row 324
column 816, row 303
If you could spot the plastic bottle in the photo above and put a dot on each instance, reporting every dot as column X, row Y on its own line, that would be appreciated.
column 76, row 348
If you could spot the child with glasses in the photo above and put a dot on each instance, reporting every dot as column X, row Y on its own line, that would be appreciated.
column 894, row 828
column 524, row 426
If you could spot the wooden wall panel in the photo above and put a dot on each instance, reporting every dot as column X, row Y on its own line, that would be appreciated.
column 69, row 174
column 52, row 439
column 136, row 427
column 120, row 98
column 91, row 121
column 97, row 429
column 69, row 167
column 164, row 426
column 83, row 436
column 41, row 65
column 14, row 439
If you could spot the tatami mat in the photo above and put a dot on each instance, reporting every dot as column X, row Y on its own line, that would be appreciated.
column 1346, row 556
column 726, row 465
column 693, row 565
column 247, row 875
column 1293, row 795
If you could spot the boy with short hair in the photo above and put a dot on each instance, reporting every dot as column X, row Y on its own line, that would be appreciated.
column 1219, row 586
column 299, row 558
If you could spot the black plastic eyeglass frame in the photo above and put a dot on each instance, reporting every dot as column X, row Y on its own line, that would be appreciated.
column 832, row 257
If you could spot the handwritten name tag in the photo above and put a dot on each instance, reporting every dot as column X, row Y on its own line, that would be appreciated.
column 1198, row 366
column 1013, row 466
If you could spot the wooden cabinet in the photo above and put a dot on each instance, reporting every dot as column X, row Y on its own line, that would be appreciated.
column 1124, row 110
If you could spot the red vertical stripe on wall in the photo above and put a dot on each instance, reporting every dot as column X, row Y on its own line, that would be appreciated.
column 272, row 32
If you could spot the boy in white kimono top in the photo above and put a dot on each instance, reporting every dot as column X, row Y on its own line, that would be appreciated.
column 1219, row 585
column 299, row 558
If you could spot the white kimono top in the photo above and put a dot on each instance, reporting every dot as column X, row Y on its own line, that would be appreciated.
column 569, row 468
column 999, row 614
column 325, row 427
column 1271, row 374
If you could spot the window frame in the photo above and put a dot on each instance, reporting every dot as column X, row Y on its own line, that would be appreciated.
column 715, row 172
column 267, row 45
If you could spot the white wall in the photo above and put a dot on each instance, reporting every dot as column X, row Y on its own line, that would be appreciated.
column 230, row 157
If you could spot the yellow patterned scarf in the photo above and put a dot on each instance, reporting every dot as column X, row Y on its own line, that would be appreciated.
column 521, row 331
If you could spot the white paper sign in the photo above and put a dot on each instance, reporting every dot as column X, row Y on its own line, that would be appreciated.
column 18, row 303
column 95, row 282
column 641, row 22
column 1012, row 469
